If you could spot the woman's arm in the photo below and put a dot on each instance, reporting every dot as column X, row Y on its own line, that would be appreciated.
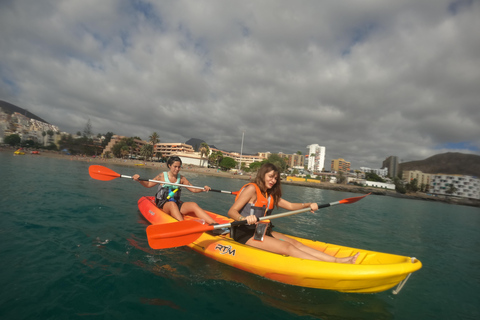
column 147, row 184
column 184, row 180
column 282, row 203
column 248, row 194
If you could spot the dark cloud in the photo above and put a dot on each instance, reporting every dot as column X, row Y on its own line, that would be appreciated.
column 366, row 80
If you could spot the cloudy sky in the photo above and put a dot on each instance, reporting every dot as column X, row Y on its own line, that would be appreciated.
column 366, row 79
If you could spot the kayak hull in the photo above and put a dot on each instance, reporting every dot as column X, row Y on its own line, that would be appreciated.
column 373, row 271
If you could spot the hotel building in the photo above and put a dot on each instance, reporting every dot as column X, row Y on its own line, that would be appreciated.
column 316, row 158
column 340, row 165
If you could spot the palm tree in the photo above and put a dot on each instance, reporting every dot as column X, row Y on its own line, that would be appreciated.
column 451, row 189
column 130, row 142
column 50, row 134
column 124, row 151
column 146, row 151
column 154, row 139
column 204, row 151
column 215, row 158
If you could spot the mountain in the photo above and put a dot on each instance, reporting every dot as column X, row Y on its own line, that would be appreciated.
column 195, row 143
column 10, row 109
column 447, row 163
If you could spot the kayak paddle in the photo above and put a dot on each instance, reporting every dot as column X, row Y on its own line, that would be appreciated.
column 105, row 174
column 176, row 234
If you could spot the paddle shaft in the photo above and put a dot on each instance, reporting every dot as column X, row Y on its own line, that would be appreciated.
column 105, row 174
column 274, row 216
column 176, row 184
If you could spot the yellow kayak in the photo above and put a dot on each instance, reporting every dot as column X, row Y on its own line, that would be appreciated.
column 372, row 272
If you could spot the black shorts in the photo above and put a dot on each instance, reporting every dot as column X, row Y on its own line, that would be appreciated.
column 243, row 233
column 161, row 204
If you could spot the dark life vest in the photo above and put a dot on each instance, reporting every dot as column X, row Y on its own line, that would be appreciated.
column 168, row 192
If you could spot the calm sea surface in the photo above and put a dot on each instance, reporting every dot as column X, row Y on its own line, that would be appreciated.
column 72, row 247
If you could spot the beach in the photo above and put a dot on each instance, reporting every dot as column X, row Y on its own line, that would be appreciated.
column 158, row 167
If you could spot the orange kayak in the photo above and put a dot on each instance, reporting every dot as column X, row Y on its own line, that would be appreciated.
column 373, row 271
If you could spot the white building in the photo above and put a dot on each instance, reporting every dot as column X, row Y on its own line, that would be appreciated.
column 316, row 158
column 379, row 172
column 464, row 186
column 376, row 184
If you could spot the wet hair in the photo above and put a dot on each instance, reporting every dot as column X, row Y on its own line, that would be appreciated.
column 276, row 190
column 172, row 160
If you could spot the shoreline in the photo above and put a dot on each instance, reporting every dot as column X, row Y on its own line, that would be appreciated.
column 214, row 172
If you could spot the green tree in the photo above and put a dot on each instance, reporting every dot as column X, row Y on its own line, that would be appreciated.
column 372, row 176
column 412, row 186
column 254, row 166
column 130, row 143
column 30, row 143
column 399, row 186
column 146, row 151
column 50, row 133
column 13, row 139
column 87, row 131
column 227, row 163
column 52, row 146
column 75, row 146
column 125, row 151
column 117, row 149
column 154, row 139
column 215, row 158
column 451, row 189
column 108, row 136
column 341, row 177
column 278, row 161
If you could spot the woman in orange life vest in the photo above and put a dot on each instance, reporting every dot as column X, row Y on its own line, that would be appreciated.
column 257, row 200
column 170, row 202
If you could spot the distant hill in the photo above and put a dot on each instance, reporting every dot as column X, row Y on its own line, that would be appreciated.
column 195, row 143
column 10, row 109
column 448, row 163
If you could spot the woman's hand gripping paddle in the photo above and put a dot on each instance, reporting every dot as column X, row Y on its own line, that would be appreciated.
column 176, row 234
column 105, row 174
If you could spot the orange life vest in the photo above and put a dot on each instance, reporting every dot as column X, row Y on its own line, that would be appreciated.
column 263, row 206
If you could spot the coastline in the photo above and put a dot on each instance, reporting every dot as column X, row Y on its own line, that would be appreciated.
column 214, row 172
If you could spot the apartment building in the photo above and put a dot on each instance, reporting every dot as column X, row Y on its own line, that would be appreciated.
column 380, row 172
column 422, row 178
column 340, row 164
column 173, row 149
column 316, row 158
column 295, row 161
column 464, row 186
column 246, row 159
column 391, row 163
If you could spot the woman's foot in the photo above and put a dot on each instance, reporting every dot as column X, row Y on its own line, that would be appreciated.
column 350, row 260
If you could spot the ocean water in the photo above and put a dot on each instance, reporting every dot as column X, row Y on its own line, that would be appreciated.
column 72, row 247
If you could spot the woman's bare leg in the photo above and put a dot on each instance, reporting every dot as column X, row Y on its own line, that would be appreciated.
column 171, row 208
column 318, row 254
column 188, row 207
column 281, row 247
